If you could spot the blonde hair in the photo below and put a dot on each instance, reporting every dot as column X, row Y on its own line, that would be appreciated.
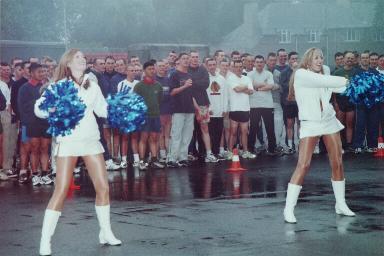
column 62, row 70
column 305, row 63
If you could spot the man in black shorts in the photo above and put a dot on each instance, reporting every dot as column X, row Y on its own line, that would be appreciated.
column 240, row 87
column 346, row 110
column 290, row 110
column 35, row 128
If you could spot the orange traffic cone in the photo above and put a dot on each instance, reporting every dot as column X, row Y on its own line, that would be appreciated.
column 380, row 148
column 235, row 165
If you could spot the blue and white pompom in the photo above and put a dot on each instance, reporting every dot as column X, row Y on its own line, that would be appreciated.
column 65, row 108
column 126, row 111
column 366, row 89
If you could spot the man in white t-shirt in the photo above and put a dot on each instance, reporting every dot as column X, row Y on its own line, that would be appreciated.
column 261, row 103
column 240, row 87
column 129, row 84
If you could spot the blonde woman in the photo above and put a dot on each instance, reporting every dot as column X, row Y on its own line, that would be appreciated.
column 82, row 142
column 312, row 90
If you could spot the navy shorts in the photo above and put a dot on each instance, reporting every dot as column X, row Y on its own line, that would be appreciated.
column 152, row 124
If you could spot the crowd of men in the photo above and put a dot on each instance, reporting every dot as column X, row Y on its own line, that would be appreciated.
column 198, row 110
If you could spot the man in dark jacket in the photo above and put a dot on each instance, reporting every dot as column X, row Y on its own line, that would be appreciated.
column 34, row 128
column 200, row 81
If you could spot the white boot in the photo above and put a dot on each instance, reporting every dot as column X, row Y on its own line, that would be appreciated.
column 106, row 236
column 49, row 224
column 341, row 206
column 293, row 192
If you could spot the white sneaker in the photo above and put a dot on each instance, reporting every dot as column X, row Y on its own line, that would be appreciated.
column 111, row 166
column 317, row 150
column 36, row 180
column 142, row 165
column 3, row 176
column 46, row 180
column 123, row 164
column 229, row 155
column 136, row 164
column 210, row 158
column 77, row 170
column 247, row 154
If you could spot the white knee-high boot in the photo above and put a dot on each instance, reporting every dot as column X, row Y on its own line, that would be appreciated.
column 106, row 236
column 293, row 192
column 341, row 206
column 51, row 218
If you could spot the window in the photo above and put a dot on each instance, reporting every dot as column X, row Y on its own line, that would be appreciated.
column 314, row 36
column 353, row 35
column 379, row 36
column 285, row 36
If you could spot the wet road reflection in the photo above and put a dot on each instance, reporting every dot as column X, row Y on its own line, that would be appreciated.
column 200, row 181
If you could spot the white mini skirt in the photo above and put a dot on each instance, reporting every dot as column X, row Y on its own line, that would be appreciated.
column 78, row 148
column 310, row 128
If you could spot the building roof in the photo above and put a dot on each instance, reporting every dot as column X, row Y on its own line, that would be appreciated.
column 298, row 17
column 314, row 15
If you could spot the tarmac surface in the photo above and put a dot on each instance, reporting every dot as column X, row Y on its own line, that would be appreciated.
column 205, row 210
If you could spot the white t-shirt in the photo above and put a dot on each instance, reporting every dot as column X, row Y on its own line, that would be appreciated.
column 261, row 99
column 6, row 92
column 218, row 95
column 381, row 71
column 238, row 101
column 125, row 84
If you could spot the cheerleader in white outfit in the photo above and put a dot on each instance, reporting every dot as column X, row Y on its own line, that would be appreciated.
column 82, row 142
column 312, row 90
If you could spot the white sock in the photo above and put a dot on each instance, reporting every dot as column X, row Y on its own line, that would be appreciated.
column 209, row 152
column 221, row 150
column 290, row 143
column 124, row 158
column 163, row 153
column 136, row 158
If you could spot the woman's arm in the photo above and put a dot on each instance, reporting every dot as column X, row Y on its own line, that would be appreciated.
column 101, row 105
column 306, row 78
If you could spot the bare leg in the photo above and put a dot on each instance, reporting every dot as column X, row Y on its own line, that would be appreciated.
column 233, row 132
column 349, row 123
column 153, row 141
column 205, row 136
column 290, row 125
column 44, row 157
column 98, row 174
column 116, row 142
column 124, row 144
column 64, row 174
column 24, row 155
column 107, row 137
column 35, row 154
column 143, row 144
column 244, row 135
column 134, row 142
column 307, row 146
column 333, row 144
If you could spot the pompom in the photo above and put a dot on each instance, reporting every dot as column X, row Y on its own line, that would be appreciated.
column 366, row 89
column 69, row 109
column 127, row 111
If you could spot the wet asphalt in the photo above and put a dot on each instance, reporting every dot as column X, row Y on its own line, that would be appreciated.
column 206, row 210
